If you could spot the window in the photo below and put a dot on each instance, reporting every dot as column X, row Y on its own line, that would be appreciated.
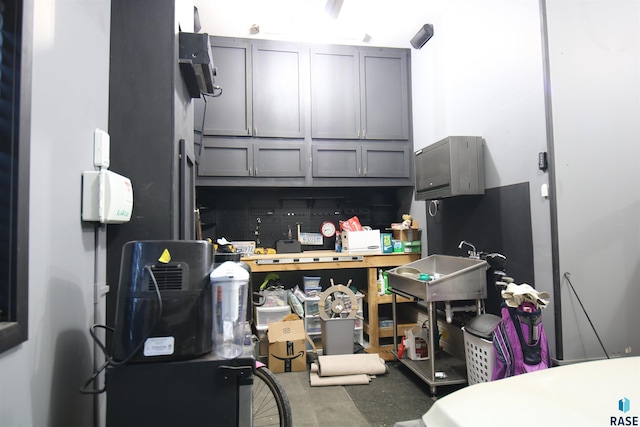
column 15, row 82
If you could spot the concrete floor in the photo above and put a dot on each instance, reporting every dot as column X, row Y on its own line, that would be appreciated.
column 398, row 395
column 319, row 406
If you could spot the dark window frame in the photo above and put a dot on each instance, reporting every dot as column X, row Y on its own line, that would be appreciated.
column 17, row 22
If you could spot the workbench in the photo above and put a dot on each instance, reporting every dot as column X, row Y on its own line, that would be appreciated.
column 331, row 260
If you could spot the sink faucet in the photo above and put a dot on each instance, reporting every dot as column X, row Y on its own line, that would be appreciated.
column 472, row 253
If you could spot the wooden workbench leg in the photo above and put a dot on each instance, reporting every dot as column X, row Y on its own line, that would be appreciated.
column 374, row 332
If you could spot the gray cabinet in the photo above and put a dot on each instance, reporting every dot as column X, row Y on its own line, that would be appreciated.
column 334, row 159
column 359, row 93
column 356, row 99
column 230, row 113
column 251, row 157
column 278, row 87
column 262, row 90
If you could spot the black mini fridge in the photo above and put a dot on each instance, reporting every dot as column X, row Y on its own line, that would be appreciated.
column 206, row 391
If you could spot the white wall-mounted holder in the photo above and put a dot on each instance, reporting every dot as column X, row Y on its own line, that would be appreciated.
column 106, row 196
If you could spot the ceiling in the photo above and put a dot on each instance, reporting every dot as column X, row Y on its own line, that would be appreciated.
column 386, row 23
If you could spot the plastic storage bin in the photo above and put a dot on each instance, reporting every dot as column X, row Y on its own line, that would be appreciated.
column 478, row 348
column 312, row 324
column 266, row 315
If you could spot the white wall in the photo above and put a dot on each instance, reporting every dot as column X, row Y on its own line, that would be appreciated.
column 595, row 87
column 39, row 380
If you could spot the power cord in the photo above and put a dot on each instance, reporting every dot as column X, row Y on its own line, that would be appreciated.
column 566, row 276
column 108, row 359
column 204, row 113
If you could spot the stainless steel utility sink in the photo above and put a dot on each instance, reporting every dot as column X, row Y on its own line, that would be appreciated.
column 451, row 278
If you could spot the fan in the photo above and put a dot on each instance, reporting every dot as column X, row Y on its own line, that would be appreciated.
column 338, row 301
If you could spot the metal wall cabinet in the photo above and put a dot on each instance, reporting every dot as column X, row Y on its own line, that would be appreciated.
column 361, row 160
column 359, row 93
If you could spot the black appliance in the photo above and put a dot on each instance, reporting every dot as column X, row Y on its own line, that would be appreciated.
column 201, row 392
column 164, row 306
column 196, row 63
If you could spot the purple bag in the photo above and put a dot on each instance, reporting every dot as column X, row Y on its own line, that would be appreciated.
column 520, row 342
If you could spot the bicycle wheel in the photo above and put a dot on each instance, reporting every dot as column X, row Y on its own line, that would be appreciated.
column 270, row 402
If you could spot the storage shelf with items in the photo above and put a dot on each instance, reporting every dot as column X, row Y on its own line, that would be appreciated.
column 373, row 303
column 362, row 267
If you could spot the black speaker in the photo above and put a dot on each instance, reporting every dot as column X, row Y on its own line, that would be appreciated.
column 422, row 36
column 196, row 63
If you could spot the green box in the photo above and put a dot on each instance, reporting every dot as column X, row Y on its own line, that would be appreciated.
column 412, row 247
column 387, row 243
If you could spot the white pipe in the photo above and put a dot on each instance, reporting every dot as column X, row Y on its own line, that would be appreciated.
column 448, row 310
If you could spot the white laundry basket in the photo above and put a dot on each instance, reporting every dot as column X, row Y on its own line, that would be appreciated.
column 478, row 348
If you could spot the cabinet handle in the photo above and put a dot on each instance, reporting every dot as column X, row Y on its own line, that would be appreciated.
column 365, row 172
column 256, row 171
column 359, row 172
column 255, row 131
column 358, row 132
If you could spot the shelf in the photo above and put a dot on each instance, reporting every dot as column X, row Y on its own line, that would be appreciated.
column 388, row 331
column 385, row 299
column 454, row 368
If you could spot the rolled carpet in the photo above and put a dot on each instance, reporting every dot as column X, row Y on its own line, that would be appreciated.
column 318, row 381
column 351, row 364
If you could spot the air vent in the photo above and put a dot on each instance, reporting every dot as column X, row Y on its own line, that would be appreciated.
column 169, row 277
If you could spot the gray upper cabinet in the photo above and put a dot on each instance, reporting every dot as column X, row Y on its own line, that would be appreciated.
column 230, row 113
column 262, row 90
column 247, row 157
column 384, row 94
column 355, row 100
column 278, row 87
column 334, row 159
column 335, row 93
column 359, row 93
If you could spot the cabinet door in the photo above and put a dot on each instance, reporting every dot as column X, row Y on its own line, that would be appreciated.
column 384, row 89
column 333, row 160
column 335, row 93
column 225, row 157
column 230, row 113
column 386, row 160
column 278, row 89
column 279, row 159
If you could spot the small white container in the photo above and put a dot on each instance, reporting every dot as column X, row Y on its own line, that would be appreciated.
column 417, row 343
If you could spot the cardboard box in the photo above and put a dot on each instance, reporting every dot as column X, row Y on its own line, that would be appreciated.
column 361, row 241
column 407, row 235
column 287, row 346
